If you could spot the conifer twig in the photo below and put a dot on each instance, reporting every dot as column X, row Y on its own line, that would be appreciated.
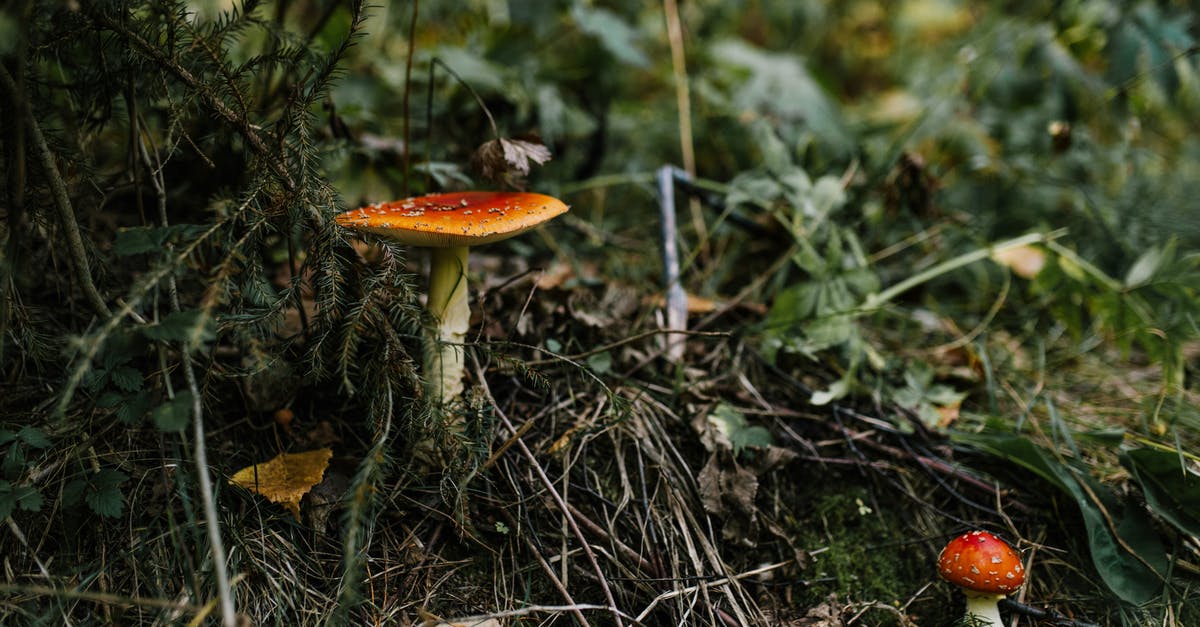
column 214, row 104
column 62, row 200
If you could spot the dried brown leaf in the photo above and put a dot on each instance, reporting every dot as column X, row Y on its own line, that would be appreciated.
column 508, row 161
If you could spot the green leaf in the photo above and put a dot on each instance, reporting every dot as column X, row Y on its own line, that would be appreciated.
column 617, row 37
column 28, row 498
column 175, row 414
column 192, row 326
column 14, row 461
column 732, row 424
column 600, row 363
column 33, row 436
column 1136, row 577
column 105, row 496
column 144, row 239
column 126, row 378
column 11, row 497
column 1144, row 268
column 132, row 409
column 1172, row 489
column 6, row 436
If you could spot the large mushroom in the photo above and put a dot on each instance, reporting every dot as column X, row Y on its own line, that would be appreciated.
column 986, row 569
column 449, row 224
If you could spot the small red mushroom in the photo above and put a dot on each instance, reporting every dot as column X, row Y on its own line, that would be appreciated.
column 986, row 569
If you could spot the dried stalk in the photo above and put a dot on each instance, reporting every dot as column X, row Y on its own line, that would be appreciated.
column 62, row 200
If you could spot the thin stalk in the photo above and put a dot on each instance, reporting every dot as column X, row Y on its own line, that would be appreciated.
column 412, row 44
column 683, row 102
column 216, row 545
column 875, row 301
column 62, row 200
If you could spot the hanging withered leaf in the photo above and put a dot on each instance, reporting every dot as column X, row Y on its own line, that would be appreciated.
column 507, row 161
column 286, row 478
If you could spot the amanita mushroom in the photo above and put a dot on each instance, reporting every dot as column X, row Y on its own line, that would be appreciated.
column 449, row 224
column 986, row 569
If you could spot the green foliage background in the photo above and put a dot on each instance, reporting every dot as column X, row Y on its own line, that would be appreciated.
column 859, row 157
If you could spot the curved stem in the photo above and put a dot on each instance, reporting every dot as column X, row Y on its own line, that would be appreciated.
column 451, row 312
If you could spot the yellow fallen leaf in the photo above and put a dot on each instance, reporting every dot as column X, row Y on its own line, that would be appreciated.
column 1025, row 261
column 286, row 478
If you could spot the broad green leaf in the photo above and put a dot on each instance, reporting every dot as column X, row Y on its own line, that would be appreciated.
column 175, row 414
column 6, row 436
column 475, row 70
column 600, row 363
column 1135, row 577
column 33, row 436
column 779, row 85
column 1172, row 489
column 617, row 37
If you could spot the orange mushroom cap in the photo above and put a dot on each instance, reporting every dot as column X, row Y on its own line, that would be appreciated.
column 454, row 219
column 979, row 562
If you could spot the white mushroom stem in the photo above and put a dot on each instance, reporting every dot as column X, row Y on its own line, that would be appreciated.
column 452, row 314
column 983, row 610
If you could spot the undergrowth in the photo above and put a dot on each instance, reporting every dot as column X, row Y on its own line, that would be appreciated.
column 943, row 275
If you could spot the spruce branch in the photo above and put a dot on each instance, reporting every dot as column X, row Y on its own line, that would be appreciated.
column 62, row 200
column 215, row 105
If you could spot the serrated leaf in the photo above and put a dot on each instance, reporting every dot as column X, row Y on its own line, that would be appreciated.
column 175, row 414
column 33, row 436
column 286, row 478
column 104, row 494
column 133, row 408
column 126, row 378
column 110, row 399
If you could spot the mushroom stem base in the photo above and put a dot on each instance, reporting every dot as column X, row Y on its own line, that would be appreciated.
column 451, row 312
